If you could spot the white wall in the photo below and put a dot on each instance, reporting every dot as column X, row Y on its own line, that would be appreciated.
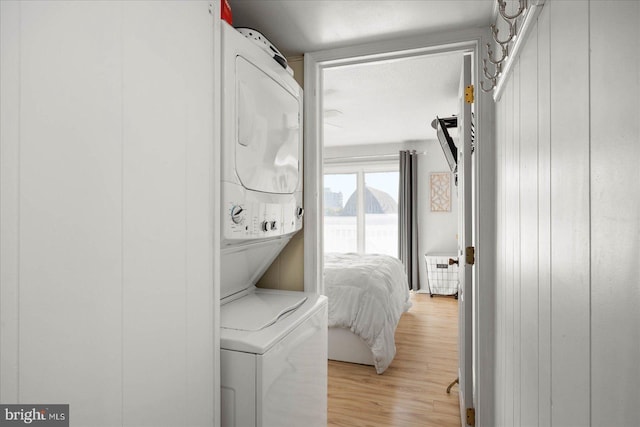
column 438, row 231
column 107, row 246
column 568, row 145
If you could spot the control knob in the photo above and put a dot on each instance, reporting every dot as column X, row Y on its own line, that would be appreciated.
column 237, row 214
column 299, row 212
column 266, row 226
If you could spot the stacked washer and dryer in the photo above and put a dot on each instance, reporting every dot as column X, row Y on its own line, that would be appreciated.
column 273, row 343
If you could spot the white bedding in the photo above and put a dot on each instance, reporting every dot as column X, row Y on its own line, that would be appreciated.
column 367, row 294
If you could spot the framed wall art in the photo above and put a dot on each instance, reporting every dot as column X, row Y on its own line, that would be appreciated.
column 440, row 187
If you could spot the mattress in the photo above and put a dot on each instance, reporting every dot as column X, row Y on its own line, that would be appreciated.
column 367, row 295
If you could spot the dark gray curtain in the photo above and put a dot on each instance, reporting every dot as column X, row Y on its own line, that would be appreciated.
column 408, row 217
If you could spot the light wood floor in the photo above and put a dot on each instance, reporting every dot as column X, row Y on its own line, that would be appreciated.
column 412, row 391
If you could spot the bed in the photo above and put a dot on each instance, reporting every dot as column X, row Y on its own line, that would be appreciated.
column 367, row 295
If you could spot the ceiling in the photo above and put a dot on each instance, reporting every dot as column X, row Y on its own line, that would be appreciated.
column 389, row 102
column 383, row 102
column 299, row 26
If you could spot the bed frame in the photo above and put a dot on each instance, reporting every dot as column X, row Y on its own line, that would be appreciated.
column 345, row 346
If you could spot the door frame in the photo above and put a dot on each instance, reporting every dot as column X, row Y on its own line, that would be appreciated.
column 461, row 41
column 466, row 211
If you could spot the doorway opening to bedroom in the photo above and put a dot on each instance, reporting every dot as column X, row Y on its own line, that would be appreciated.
column 345, row 135
column 371, row 112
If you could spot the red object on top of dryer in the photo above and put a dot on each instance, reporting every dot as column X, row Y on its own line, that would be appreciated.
column 226, row 12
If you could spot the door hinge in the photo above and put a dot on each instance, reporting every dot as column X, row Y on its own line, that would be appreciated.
column 468, row 94
column 471, row 416
column 470, row 255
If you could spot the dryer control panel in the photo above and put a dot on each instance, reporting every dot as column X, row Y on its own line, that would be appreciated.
column 249, row 215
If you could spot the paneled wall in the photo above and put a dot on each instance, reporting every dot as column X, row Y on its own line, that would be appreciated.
column 568, row 203
column 107, row 211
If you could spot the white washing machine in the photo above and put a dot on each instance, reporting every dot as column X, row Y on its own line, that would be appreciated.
column 273, row 343
column 274, row 360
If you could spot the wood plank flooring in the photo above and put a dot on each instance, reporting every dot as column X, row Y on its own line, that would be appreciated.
column 412, row 391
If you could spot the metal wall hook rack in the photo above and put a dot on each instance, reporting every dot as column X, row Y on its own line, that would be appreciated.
column 490, row 88
column 512, row 33
column 502, row 6
column 513, row 21
column 505, row 53
column 486, row 70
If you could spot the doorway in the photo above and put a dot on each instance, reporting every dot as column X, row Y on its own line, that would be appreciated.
column 316, row 64
column 370, row 112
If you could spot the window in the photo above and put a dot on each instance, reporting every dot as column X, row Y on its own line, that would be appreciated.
column 361, row 209
column 381, row 213
column 340, row 226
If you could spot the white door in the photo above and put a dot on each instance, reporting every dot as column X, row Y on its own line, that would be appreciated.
column 465, row 303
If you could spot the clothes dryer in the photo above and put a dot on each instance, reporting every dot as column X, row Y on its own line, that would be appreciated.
column 273, row 343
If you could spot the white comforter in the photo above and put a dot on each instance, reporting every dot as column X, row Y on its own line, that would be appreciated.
column 367, row 294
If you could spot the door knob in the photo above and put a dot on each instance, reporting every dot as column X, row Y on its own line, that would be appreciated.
column 453, row 261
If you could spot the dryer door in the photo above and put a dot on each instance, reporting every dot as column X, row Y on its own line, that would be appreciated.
column 268, row 131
